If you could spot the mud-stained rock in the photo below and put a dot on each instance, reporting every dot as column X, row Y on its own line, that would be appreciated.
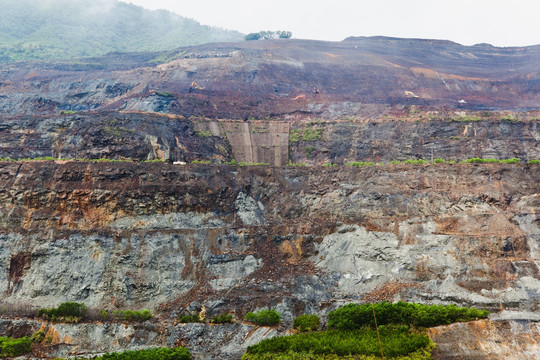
column 17, row 265
column 487, row 340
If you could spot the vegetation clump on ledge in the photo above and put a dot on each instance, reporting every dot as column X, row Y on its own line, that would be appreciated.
column 395, row 342
column 356, row 316
column 179, row 353
column 186, row 319
column 70, row 312
column 222, row 319
column 129, row 315
column 265, row 317
column 10, row 347
column 352, row 333
column 490, row 161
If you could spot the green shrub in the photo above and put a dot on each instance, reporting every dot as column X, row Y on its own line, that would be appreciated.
column 534, row 161
column 10, row 347
column 178, row 353
column 294, row 136
column 416, row 161
column 71, row 312
column 305, row 323
column 38, row 336
column 356, row 316
column 189, row 319
column 395, row 342
column 264, row 317
column 103, row 315
column 439, row 161
column 130, row 315
column 312, row 134
column 222, row 319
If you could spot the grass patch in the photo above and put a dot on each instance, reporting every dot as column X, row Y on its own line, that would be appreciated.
column 490, row 161
column 533, row 161
column 67, row 112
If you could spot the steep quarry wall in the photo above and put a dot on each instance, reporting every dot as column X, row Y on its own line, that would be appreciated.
column 147, row 136
column 171, row 237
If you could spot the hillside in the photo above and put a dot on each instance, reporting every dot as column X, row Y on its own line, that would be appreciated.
column 365, row 77
column 288, row 174
column 61, row 29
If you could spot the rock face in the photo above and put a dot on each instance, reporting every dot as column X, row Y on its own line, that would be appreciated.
column 235, row 239
column 137, row 136
column 487, row 340
column 175, row 236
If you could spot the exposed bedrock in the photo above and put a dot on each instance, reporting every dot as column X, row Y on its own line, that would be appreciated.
column 138, row 136
column 174, row 238
column 146, row 234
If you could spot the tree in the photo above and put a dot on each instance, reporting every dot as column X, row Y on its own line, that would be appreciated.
column 285, row 35
column 268, row 35
column 252, row 36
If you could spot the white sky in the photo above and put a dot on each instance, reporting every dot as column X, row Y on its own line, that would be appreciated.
column 468, row 22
